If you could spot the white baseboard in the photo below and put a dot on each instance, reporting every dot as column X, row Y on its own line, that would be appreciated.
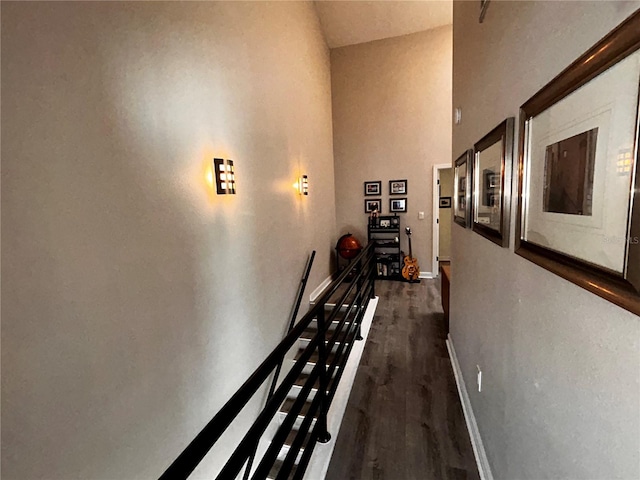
column 318, row 291
column 427, row 275
column 484, row 468
column 321, row 457
column 444, row 259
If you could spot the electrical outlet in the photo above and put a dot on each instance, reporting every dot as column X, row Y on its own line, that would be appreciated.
column 479, row 378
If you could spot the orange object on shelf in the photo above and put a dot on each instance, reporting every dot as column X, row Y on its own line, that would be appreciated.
column 348, row 247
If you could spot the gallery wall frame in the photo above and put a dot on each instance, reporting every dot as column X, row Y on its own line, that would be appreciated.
column 373, row 188
column 397, row 187
column 491, row 190
column 578, row 212
column 462, row 189
column 398, row 205
column 372, row 204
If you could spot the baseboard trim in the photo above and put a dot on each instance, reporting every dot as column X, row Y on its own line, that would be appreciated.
column 322, row 453
column 320, row 288
column 484, row 468
column 427, row 275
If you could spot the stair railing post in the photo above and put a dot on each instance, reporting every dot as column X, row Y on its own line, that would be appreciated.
column 372, row 277
column 323, row 433
column 360, row 296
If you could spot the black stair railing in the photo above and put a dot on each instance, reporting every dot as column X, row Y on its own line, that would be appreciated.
column 276, row 375
column 346, row 315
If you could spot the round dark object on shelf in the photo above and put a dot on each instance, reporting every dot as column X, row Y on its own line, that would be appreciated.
column 348, row 246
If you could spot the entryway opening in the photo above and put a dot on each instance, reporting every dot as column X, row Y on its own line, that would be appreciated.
column 442, row 218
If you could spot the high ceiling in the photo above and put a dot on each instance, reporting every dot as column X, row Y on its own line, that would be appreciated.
column 349, row 22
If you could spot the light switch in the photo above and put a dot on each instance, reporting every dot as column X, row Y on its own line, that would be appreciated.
column 420, row 215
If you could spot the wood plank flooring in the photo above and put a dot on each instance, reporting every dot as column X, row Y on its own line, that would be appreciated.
column 404, row 420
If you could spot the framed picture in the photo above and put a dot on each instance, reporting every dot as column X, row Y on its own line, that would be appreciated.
column 462, row 181
column 372, row 204
column 493, row 180
column 397, row 204
column 462, row 189
column 492, row 184
column 445, row 202
column 397, row 187
column 373, row 188
column 579, row 194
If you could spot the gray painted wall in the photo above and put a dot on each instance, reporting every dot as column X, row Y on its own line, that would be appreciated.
column 135, row 300
column 392, row 120
column 561, row 367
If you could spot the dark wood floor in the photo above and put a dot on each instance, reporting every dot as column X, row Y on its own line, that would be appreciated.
column 404, row 419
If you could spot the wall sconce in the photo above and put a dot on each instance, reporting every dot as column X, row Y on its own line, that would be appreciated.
column 225, row 176
column 302, row 185
column 624, row 162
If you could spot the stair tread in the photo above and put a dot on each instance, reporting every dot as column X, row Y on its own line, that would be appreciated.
column 315, row 357
column 302, row 379
column 309, row 333
column 288, row 404
column 292, row 436
column 339, row 317
column 273, row 473
column 275, row 469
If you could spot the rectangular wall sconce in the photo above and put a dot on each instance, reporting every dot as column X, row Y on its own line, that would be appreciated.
column 225, row 176
column 624, row 162
column 302, row 185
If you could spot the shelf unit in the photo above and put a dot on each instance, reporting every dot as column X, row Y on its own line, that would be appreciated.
column 385, row 231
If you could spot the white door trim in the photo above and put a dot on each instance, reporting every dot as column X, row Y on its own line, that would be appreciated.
column 436, row 216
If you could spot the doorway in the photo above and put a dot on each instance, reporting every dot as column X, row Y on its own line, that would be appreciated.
column 442, row 217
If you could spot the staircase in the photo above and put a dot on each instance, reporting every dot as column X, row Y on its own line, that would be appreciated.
column 327, row 331
column 287, row 405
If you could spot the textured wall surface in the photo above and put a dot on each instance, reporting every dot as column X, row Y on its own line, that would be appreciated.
column 561, row 366
column 136, row 301
column 392, row 120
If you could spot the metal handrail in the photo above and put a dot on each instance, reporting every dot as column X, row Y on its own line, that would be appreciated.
column 362, row 278
column 276, row 374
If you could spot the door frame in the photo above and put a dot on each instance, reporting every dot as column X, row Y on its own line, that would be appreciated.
column 436, row 216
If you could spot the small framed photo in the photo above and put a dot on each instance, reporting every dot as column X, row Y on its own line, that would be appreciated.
column 445, row 202
column 397, row 204
column 462, row 182
column 493, row 180
column 372, row 204
column 397, row 187
column 491, row 186
column 372, row 188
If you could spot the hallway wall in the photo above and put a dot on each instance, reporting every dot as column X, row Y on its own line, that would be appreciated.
column 135, row 300
column 392, row 120
column 561, row 369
